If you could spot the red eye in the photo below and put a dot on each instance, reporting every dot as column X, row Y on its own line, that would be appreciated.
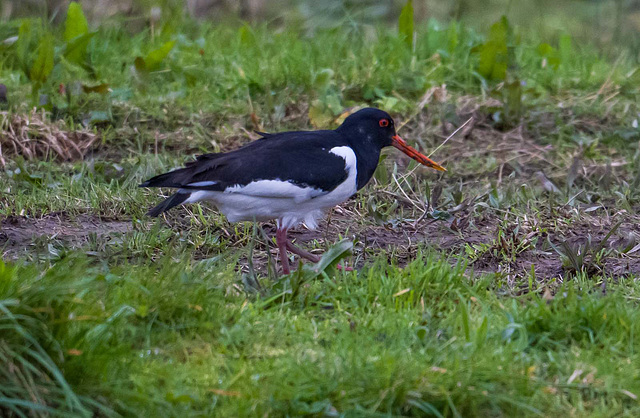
column 383, row 123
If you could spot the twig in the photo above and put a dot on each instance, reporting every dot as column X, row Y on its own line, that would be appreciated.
column 450, row 136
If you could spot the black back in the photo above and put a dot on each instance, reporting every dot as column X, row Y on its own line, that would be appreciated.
column 300, row 157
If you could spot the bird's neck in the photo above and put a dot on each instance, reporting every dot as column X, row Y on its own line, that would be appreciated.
column 366, row 165
column 367, row 153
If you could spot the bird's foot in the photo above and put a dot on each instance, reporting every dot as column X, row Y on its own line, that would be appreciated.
column 309, row 256
column 343, row 268
column 302, row 253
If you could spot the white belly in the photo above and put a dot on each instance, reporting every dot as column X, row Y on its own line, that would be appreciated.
column 237, row 207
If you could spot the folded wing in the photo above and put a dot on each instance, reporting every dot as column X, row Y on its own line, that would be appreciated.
column 296, row 165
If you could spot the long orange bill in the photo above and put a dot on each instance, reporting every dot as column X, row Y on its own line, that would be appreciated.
column 399, row 143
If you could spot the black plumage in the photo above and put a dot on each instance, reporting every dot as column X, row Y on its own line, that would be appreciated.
column 301, row 158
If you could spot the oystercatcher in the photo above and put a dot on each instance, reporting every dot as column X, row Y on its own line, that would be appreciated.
column 293, row 177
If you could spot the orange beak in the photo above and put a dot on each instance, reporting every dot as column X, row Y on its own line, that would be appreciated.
column 399, row 143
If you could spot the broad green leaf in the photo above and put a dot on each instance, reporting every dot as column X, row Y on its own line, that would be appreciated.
column 565, row 48
column 439, row 214
column 25, row 33
column 549, row 53
column 545, row 49
column 76, row 49
column 421, row 333
column 154, row 58
column 405, row 23
column 452, row 35
column 381, row 174
column 333, row 103
column 6, row 274
column 513, row 99
column 76, row 24
column 331, row 257
column 494, row 54
column 247, row 38
column 43, row 64
column 185, row 398
column 76, row 34
column 121, row 94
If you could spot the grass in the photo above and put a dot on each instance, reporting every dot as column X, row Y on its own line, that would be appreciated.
column 506, row 287
column 171, row 337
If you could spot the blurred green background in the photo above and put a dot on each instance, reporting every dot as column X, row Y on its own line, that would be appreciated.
column 604, row 23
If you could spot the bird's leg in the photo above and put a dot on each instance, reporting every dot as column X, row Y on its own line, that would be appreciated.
column 302, row 253
column 343, row 268
column 311, row 257
column 281, row 240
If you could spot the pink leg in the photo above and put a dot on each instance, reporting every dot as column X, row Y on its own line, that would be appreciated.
column 302, row 253
column 311, row 257
column 340, row 267
column 281, row 240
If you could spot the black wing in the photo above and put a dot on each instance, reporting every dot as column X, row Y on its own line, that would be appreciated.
column 300, row 158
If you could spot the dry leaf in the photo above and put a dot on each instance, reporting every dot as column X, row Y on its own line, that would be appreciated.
column 225, row 392
column 402, row 292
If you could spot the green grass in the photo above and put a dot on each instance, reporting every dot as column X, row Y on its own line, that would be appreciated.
column 477, row 293
column 214, row 74
column 179, row 337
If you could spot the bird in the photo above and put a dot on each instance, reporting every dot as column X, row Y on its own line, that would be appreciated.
column 292, row 177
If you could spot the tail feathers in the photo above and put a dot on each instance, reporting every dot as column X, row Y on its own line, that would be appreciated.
column 165, row 205
column 174, row 178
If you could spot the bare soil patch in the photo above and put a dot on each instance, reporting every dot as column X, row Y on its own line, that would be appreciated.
column 480, row 155
column 514, row 256
column 495, row 253
column 20, row 235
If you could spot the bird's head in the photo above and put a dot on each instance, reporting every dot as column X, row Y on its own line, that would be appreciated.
column 372, row 127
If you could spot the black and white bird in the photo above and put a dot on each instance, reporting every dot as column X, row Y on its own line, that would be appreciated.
column 293, row 177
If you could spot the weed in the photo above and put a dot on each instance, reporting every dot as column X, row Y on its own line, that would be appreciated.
column 585, row 258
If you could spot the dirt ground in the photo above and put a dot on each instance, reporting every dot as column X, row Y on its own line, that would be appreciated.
column 546, row 240
column 21, row 236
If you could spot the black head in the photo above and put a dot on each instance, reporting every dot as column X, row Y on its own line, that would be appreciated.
column 369, row 127
column 369, row 130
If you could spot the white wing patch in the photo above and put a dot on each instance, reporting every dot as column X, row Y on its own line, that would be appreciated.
column 348, row 155
column 202, row 183
column 347, row 188
column 277, row 189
